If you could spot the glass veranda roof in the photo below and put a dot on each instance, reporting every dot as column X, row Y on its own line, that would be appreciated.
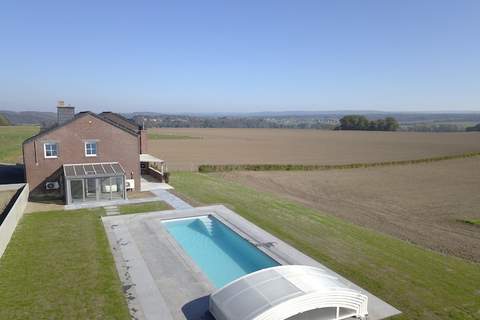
column 286, row 292
column 87, row 170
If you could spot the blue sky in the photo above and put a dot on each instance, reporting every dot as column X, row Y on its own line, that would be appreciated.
column 241, row 55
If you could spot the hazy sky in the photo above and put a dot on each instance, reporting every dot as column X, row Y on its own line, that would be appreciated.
column 240, row 55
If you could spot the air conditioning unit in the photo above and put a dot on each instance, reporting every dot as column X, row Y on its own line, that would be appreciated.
column 129, row 184
column 52, row 185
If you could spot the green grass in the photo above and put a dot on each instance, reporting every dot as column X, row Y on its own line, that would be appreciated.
column 421, row 283
column 472, row 221
column 58, row 265
column 11, row 139
column 144, row 207
column 207, row 168
column 4, row 121
column 169, row 136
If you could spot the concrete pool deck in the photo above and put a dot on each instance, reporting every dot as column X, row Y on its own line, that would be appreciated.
column 162, row 282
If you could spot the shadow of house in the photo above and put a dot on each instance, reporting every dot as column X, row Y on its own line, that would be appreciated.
column 40, row 193
column 12, row 173
column 197, row 309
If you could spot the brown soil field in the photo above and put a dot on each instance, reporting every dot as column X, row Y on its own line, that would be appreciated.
column 287, row 146
column 421, row 203
column 5, row 197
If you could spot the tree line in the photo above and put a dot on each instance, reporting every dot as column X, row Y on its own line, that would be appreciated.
column 358, row 122
column 474, row 128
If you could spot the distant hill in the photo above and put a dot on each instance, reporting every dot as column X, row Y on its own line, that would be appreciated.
column 409, row 121
column 4, row 121
column 44, row 119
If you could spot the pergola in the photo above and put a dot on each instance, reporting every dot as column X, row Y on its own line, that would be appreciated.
column 288, row 292
column 153, row 162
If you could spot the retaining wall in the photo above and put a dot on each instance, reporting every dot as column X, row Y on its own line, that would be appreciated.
column 14, row 213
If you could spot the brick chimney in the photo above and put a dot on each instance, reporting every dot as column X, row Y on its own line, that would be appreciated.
column 64, row 113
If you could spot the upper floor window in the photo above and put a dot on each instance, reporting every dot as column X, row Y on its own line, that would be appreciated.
column 50, row 150
column 90, row 148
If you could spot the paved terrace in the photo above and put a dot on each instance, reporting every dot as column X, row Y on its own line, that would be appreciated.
column 162, row 282
column 158, row 189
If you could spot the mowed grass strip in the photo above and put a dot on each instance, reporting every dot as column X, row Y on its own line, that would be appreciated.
column 170, row 136
column 11, row 139
column 58, row 265
column 472, row 221
column 143, row 207
column 421, row 283
column 208, row 168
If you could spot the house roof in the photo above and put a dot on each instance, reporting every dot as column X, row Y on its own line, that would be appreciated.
column 78, row 116
column 283, row 292
column 145, row 157
column 119, row 120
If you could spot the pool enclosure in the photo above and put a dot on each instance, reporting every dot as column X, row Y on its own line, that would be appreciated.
column 288, row 292
column 94, row 182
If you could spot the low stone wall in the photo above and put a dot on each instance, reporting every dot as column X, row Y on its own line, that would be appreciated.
column 14, row 213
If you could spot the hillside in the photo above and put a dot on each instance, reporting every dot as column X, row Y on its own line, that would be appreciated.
column 4, row 121
column 45, row 119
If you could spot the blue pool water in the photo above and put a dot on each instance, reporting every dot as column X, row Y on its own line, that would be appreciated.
column 219, row 251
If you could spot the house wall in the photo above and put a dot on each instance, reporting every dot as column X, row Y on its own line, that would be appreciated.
column 113, row 144
column 143, row 141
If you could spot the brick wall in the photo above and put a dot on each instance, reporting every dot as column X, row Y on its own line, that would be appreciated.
column 113, row 145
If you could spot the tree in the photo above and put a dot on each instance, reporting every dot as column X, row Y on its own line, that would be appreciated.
column 354, row 122
column 474, row 128
column 391, row 124
column 357, row 122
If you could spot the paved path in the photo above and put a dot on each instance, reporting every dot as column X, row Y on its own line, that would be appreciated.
column 171, row 199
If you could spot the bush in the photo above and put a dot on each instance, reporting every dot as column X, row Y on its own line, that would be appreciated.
column 206, row 168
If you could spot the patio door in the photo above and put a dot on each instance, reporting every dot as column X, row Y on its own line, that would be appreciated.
column 91, row 189
column 76, row 189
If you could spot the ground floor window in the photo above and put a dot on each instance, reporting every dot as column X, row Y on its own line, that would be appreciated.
column 95, row 189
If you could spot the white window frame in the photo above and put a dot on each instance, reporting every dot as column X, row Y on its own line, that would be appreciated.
column 45, row 150
column 96, row 148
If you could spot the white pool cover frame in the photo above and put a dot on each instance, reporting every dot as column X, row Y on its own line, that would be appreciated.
column 286, row 291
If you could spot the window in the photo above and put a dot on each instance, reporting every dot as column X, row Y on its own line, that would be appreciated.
column 91, row 148
column 50, row 150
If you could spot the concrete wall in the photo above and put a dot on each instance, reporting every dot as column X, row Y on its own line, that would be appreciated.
column 14, row 214
column 113, row 145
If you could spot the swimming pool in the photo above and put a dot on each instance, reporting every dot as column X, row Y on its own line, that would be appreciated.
column 219, row 251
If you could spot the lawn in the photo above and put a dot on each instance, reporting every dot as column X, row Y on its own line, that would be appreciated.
column 144, row 207
column 11, row 138
column 421, row 283
column 58, row 265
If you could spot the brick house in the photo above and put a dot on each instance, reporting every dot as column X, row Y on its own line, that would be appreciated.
column 85, row 157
